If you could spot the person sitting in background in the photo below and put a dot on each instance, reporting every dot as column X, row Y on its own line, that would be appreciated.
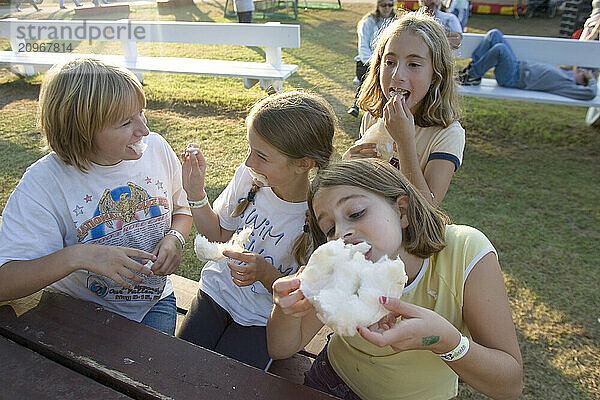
column 448, row 20
column 368, row 29
column 461, row 9
column 495, row 52
column 590, row 27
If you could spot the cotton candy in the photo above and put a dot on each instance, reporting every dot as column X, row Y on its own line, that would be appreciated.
column 206, row 250
column 345, row 288
column 377, row 133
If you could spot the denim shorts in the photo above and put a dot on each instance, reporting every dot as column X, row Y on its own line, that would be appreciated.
column 321, row 376
column 163, row 315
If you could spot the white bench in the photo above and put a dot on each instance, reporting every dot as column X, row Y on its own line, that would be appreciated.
column 272, row 36
column 540, row 49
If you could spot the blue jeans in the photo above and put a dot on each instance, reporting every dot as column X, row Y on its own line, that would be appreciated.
column 163, row 315
column 321, row 376
column 494, row 52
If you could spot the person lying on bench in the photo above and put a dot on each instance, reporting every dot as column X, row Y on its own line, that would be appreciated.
column 495, row 52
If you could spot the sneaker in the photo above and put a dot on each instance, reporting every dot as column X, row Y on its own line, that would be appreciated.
column 465, row 69
column 353, row 111
column 63, row 7
column 467, row 80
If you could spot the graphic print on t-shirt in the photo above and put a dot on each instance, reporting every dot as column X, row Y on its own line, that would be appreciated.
column 126, row 216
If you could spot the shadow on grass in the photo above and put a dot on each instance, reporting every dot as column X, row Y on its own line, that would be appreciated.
column 541, row 380
column 195, row 109
column 347, row 123
column 187, row 12
column 538, row 248
column 16, row 158
column 18, row 89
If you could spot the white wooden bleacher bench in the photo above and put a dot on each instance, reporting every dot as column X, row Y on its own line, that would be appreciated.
column 540, row 49
column 271, row 36
column 291, row 368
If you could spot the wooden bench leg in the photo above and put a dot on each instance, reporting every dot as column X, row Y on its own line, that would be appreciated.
column 248, row 83
column 277, row 86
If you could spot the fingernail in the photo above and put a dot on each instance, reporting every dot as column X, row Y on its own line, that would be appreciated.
column 357, row 329
column 383, row 299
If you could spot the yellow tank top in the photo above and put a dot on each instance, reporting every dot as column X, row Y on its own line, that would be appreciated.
column 382, row 373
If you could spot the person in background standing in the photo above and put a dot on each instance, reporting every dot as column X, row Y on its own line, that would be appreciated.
column 243, row 9
column 368, row 29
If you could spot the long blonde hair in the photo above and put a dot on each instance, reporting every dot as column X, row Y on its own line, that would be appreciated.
column 440, row 106
column 425, row 234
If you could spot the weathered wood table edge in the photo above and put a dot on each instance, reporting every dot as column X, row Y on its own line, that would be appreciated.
column 127, row 358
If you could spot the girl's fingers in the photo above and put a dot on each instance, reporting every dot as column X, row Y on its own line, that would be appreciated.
column 238, row 270
column 129, row 274
column 137, row 267
column 131, row 252
column 285, row 286
column 117, row 278
column 292, row 299
column 236, row 255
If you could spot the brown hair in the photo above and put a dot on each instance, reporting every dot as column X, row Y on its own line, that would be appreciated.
column 376, row 13
column 299, row 124
column 80, row 98
column 425, row 234
column 440, row 106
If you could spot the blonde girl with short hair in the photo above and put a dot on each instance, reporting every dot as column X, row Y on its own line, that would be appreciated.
column 453, row 319
column 410, row 88
column 289, row 134
column 86, row 217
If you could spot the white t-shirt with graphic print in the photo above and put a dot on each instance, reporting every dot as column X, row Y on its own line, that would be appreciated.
column 129, row 204
column 276, row 224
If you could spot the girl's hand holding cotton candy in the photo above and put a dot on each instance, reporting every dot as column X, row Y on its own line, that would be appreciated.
column 399, row 121
column 345, row 288
column 384, row 144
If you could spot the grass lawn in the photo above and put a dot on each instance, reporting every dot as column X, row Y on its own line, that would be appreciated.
column 530, row 178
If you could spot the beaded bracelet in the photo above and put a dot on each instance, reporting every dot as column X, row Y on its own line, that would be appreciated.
column 178, row 235
column 458, row 352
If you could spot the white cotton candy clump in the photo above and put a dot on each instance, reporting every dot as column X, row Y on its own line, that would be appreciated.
column 345, row 288
column 258, row 178
column 206, row 250
column 378, row 134
column 139, row 147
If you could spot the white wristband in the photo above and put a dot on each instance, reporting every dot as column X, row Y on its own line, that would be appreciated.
column 458, row 352
column 178, row 235
column 199, row 203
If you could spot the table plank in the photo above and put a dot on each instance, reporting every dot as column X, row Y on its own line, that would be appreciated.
column 138, row 360
column 25, row 374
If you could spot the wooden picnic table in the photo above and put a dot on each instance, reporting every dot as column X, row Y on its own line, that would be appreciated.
column 65, row 348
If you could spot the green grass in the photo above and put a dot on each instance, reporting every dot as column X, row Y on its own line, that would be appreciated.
column 530, row 178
